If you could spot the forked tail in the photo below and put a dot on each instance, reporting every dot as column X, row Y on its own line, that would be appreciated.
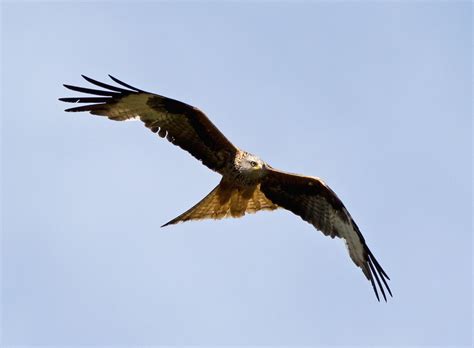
column 226, row 201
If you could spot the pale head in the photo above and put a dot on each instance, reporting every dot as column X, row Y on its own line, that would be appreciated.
column 251, row 165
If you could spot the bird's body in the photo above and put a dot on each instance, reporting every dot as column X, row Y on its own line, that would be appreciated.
column 248, row 184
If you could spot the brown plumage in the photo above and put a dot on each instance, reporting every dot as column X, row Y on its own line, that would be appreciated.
column 248, row 184
column 227, row 200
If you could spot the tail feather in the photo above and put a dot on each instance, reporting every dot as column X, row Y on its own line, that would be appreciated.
column 226, row 201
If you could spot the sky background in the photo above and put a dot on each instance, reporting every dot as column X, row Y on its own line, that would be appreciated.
column 373, row 97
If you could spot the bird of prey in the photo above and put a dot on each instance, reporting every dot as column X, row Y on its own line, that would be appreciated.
column 248, row 184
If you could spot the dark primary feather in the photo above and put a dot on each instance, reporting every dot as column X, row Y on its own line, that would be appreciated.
column 317, row 204
column 92, row 91
column 124, row 84
column 85, row 100
column 180, row 123
column 110, row 87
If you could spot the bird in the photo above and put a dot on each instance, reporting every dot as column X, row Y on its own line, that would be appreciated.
column 248, row 184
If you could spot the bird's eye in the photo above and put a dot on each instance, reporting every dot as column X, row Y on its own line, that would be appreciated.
column 253, row 163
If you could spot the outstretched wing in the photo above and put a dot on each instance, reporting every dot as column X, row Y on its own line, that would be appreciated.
column 182, row 124
column 316, row 203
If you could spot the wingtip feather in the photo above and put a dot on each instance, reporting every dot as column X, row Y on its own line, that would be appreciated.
column 167, row 224
column 116, row 80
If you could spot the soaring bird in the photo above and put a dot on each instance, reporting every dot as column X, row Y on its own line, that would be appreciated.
column 248, row 183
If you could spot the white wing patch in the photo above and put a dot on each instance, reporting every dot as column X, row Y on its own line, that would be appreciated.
column 134, row 118
column 351, row 238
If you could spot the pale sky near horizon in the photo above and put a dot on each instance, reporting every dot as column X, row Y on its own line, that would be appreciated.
column 373, row 97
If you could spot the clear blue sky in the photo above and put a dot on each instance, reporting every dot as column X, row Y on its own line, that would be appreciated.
column 374, row 97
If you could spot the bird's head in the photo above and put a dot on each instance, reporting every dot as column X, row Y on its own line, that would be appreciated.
column 251, row 164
